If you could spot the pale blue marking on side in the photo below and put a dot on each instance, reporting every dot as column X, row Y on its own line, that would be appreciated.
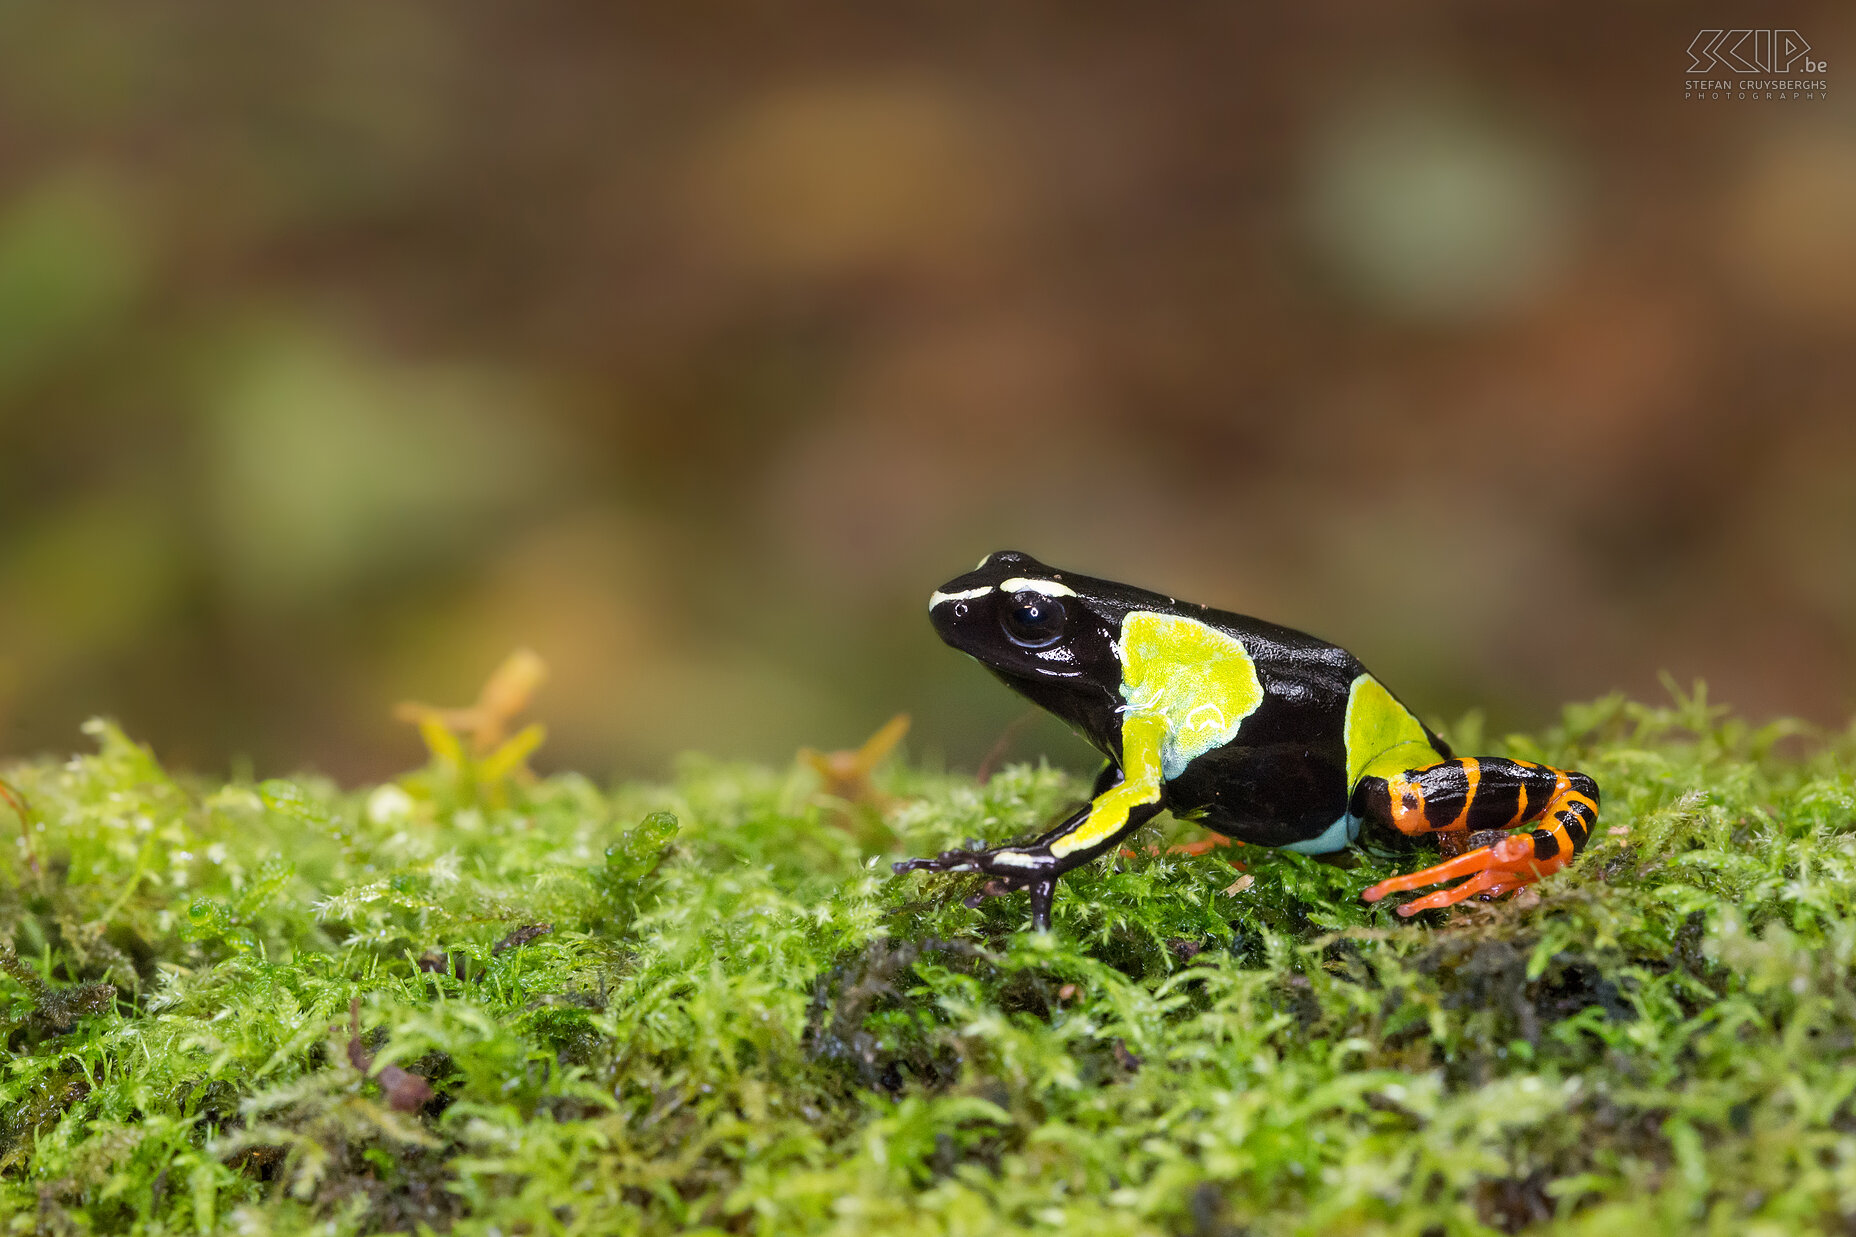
column 1337, row 836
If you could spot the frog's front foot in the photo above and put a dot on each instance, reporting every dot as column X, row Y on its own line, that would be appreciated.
column 1008, row 861
column 1010, row 869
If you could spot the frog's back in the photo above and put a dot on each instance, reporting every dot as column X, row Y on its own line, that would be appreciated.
column 1290, row 662
column 1295, row 668
column 1285, row 778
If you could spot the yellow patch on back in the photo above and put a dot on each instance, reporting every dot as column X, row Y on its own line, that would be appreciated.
column 1383, row 738
column 1201, row 682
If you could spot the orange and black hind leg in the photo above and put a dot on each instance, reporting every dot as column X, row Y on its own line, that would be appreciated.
column 1470, row 804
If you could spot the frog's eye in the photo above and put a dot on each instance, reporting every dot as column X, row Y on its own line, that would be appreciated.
column 1032, row 620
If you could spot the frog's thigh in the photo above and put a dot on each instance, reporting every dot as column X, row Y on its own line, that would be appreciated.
column 1109, row 814
column 1457, row 796
column 1473, row 794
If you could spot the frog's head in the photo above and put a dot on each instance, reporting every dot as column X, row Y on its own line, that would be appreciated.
column 1049, row 635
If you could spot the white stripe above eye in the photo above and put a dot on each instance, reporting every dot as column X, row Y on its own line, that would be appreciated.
column 1050, row 588
column 938, row 598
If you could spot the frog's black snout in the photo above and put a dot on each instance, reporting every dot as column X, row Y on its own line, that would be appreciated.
column 967, row 609
column 950, row 614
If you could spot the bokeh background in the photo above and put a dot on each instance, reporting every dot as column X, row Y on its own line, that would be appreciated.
column 344, row 347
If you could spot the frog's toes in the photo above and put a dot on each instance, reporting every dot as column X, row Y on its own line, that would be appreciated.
column 1492, row 871
column 997, row 887
column 1043, row 891
column 1009, row 871
column 1019, row 865
column 946, row 861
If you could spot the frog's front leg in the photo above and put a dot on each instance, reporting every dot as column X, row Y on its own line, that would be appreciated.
column 1468, row 798
column 1121, row 805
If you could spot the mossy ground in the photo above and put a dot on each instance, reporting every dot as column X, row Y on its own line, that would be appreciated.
column 745, row 1024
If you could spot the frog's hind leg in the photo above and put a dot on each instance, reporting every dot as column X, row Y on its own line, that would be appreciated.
column 1461, row 799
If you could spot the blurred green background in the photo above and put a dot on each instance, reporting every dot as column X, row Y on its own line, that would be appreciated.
column 344, row 347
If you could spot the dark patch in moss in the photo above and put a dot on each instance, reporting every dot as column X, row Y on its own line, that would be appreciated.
column 1295, row 996
column 263, row 1162
column 455, row 964
column 210, row 1103
column 404, row 1090
column 397, row 1190
column 568, row 1031
column 49, row 1098
column 1208, row 1213
column 1186, row 951
column 1512, row 1204
column 874, row 982
column 55, row 1011
column 1344, row 959
column 1248, row 946
column 1491, row 975
column 522, row 936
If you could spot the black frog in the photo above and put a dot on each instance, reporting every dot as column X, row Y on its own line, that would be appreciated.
column 1255, row 731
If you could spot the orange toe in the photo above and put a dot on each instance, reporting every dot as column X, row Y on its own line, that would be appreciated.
column 1485, row 884
column 1492, row 871
column 1514, row 854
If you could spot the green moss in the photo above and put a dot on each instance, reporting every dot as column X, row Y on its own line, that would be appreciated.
column 487, row 1006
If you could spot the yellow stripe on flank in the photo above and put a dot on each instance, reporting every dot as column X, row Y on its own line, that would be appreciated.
column 1383, row 738
column 1141, row 738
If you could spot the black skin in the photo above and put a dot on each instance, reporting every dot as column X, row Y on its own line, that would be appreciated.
column 1281, row 780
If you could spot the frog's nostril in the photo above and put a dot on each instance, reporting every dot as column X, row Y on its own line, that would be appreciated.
column 960, row 610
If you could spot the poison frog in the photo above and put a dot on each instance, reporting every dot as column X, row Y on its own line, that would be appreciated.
column 1255, row 731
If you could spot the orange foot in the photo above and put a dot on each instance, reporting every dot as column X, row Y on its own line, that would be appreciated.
column 1493, row 870
column 1203, row 846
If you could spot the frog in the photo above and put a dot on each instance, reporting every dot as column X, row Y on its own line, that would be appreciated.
column 1260, row 733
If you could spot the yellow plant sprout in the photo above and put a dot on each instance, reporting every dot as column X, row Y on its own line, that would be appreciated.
column 491, row 761
column 845, row 774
